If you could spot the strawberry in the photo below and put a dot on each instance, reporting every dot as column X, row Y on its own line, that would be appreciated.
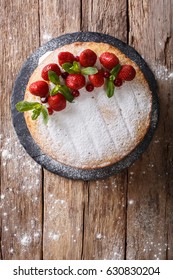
column 75, row 81
column 39, row 88
column 127, row 73
column 52, row 66
column 64, row 57
column 57, row 102
column 97, row 80
column 87, row 58
column 109, row 60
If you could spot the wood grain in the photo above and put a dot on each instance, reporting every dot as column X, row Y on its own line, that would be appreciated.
column 149, row 213
column 21, row 195
column 105, row 207
column 63, row 224
column 126, row 216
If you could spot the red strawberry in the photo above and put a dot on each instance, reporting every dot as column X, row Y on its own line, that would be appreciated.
column 39, row 88
column 109, row 60
column 52, row 66
column 127, row 73
column 97, row 80
column 64, row 57
column 75, row 81
column 57, row 102
column 87, row 58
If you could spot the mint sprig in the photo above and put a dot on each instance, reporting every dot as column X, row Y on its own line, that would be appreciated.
column 71, row 68
column 110, row 82
column 53, row 77
column 64, row 90
column 36, row 109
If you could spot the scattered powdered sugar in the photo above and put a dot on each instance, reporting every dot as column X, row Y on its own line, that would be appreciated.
column 47, row 37
column 26, row 240
column 131, row 201
column 161, row 72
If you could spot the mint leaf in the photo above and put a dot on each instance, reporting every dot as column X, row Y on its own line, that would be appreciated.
column 53, row 77
column 114, row 72
column 45, row 115
column 110, row 88
column 36, row 113
column 71, row 68
column 75, row 67
column 23, row 106
column 66, row 92
column 55, row 90
column 89, row 71
column 67, row 67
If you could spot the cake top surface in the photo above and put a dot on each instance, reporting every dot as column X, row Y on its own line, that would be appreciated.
column 94, row 131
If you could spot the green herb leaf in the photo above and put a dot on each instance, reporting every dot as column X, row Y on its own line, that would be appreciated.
column 114, row 72
column 45, row 115
column 55, row 90
column 112, row 78
column 66, row 66
column 53, row 77
column 71, row 68
column 66, row 92
column 110, row 88
column 23, row 106
column 89, row 71
column 36, row 113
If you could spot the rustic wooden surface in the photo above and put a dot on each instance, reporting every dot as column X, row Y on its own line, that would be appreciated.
column 128, row 216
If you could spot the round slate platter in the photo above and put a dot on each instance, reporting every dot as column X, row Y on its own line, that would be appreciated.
column 24, row 135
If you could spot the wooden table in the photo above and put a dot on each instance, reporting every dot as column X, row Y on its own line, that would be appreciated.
column 128, row 216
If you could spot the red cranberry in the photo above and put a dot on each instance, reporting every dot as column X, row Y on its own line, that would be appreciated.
column 44, row 100
column 64, row 75
column 89, row 87
column 75, row 93
column 77, row 58
column 50, row 110
column 106, row 74
column 118, row 82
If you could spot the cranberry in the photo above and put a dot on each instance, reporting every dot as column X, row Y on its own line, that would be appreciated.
column 75, row 93
column 44, row 100
column 77, row 58
column 118, row 82
column 106, row 74
column 50, row 110
column 89, row 87
column 64, row 75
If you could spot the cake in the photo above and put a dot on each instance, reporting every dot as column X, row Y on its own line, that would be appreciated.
column 98, row 128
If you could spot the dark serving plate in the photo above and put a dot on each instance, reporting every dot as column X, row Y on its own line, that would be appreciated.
column 24, row 135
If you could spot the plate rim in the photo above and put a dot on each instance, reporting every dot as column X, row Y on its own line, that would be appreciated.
column 28, row 142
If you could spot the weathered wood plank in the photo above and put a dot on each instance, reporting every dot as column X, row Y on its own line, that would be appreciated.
column 150, row 196
column 105, row 207
column 63, row 199
column 21, row 194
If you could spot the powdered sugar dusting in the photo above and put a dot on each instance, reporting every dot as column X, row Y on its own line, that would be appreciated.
column 99, row 128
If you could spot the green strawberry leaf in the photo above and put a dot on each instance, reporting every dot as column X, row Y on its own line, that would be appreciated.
column 89, row 71
column 55, row 90
column 114, row 72
column 66, row 92
column 23, row 106
column 53, row 77
column 36, row 113
column 110, row 88
column 45, row 115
